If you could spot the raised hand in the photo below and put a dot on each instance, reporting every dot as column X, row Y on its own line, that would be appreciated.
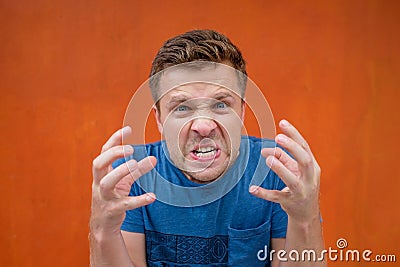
column 110, row 188
column 300, row 199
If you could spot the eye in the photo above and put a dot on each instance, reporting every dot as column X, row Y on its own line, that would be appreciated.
column 220, row 105
column 182, row 108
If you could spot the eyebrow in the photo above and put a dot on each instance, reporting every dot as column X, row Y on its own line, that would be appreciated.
column 223, row 95
column 176, row 100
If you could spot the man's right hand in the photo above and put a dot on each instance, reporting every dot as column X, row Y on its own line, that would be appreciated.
column 110, row 188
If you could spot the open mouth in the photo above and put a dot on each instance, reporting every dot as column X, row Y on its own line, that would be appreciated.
column 205, row 153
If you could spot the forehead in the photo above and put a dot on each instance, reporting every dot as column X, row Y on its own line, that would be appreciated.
column 200, row 81
column 199, row 90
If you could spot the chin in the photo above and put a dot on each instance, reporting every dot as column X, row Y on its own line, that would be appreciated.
column 205, row 176
column 204, row 172
column 201, row 179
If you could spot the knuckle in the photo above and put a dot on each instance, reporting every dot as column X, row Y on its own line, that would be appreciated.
column 104, row 148
column 275, row 196
column 103, row 186
column 126, row 204
column 131, row 203
column 307, row 160
column 278, row 152
column 305, row 145
column 109, row 211
column 95, row 163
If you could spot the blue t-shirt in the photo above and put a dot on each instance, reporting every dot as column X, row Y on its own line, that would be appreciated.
column 217, row 224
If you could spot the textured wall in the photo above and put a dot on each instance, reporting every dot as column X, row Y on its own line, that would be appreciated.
column 69, row 68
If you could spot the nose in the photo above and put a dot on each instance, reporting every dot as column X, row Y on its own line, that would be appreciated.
column 203, row 126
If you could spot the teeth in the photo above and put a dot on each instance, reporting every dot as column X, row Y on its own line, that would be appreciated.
column 206, row 149
column 206, row 152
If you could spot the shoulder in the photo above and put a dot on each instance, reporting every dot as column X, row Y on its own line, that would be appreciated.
column 257, row 142
column 250, row 149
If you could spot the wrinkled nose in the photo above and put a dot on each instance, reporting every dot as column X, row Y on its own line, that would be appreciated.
column 203, row 126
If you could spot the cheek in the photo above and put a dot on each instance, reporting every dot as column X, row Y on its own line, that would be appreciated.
column 231, row 127
column 175, row 131
column 182, row 135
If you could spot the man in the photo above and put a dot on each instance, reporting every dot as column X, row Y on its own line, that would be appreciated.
column 210, row 212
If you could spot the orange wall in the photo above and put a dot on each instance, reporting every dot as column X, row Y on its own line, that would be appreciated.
column 69, row 68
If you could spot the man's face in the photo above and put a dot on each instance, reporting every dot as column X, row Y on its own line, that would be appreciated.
column 201, row 124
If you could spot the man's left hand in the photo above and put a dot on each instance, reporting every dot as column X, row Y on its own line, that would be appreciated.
column 300, row 197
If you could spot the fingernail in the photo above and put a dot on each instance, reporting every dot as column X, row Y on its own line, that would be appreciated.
column 281, row 138
column 253, row 189
column 285, row 123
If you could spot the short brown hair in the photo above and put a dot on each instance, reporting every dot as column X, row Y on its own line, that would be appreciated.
column 197, row 45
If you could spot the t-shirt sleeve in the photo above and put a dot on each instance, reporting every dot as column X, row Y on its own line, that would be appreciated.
column 279, row 218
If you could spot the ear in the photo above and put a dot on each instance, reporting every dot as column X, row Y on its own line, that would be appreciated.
column 243, row 109
column 158, row 119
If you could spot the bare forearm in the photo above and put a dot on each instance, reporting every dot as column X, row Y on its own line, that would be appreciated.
column 108, row 249
column 305, row 239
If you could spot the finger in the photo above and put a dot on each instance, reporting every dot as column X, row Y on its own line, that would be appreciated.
column 286, row 175
column 270, row 195
column 304, row 159
column 143, row 166
column 281, row 155
column 104, row 160
column 132, row 168
column 130, row 203
column 109, row 182
column 298, row 152
column 116, row 138
column 293, row 133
